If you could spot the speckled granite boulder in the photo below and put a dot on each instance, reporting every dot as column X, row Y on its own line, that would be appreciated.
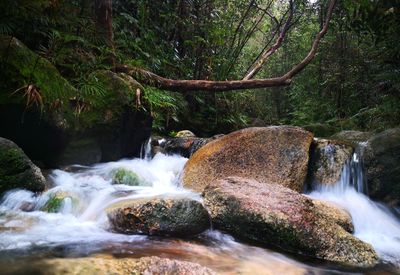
column 276, row 154
column 275, row 215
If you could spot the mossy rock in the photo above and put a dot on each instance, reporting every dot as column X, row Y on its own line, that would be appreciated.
column 56, row 201
column 119, row 93
column 22, row 66
column 127, row 177
column 17, row 170
column 159, row 216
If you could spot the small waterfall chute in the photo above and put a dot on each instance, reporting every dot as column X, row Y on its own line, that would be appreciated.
column 373, row 222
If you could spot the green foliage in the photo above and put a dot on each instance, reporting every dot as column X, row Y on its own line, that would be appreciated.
column 353, row 82
column 166, row 107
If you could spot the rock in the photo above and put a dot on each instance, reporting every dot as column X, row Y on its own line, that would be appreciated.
column 320, row 130
column 57, row 200
column 327, row 160
column 276, row 154
column 84, row 151
column 353, row 137
column 127, row 177
column 275, row 215
column 155, row 216
column 382, row 166
column 185, row 134
column 183, row 146
column 101, row 265
column 17, row 170
column 22, row 65
column 335, row 213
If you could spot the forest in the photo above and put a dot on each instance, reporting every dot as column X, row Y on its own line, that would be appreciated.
column 199, row 137
column 351, row 83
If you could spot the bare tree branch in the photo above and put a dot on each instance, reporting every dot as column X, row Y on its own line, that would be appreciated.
column 152, row 79
column 256, row 67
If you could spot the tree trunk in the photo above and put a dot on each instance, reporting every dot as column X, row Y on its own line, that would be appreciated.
column 103, row 14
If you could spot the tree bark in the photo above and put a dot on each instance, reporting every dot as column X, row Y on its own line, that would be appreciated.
column 103, row 14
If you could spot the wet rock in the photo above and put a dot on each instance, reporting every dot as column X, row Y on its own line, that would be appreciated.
column 335, row 213
column 156, row 216
column 352, row 136
column 275, row 215
column 327, row 160
column 127, row 177
column 17, row 170
column 110, row 124
column 56, row 201
column 276, row 154
column 382, row 166
column 101, row 265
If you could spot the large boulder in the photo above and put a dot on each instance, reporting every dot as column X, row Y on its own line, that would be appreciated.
column 327, row 160
column 107, row 265
column 106, row 119
column 17, row 170
column 276, row 154
column 168, row 216
column 382, row 166
column 275, row 215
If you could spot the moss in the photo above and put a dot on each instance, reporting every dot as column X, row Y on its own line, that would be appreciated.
column 53, row 205
column 106, row 107
column 30, row 68
column 124, row 176
column 17, row 171
column 56, row 200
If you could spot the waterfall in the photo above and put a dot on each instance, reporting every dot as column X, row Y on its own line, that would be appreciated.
column 145, row 150
column 373, row 222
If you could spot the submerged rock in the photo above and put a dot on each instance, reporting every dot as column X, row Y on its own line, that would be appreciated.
column 17, row 170
column 382, row 166
column 168, row 217
column 275, row 215
column 277, row 154
column 127, row 177
column 98, row 265
column 327, row 160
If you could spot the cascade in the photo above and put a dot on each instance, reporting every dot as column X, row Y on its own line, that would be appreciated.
column 373, row 222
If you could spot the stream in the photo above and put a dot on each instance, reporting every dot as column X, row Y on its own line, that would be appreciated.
column 80, row 228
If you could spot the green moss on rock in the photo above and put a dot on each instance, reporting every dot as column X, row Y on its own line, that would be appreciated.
column 17, row 170
column 24, row 66
column 127, row 177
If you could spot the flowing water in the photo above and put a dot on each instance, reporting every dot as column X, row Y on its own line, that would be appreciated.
column 80, row 226
column 373, row 222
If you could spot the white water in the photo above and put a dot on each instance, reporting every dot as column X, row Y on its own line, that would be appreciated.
column 82, row 215
column 82, row 218
column 373, row 222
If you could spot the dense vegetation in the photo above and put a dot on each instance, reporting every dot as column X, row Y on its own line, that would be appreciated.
column 352, row 83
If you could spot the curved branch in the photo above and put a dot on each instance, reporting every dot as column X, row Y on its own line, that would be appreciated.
column 153, row 79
